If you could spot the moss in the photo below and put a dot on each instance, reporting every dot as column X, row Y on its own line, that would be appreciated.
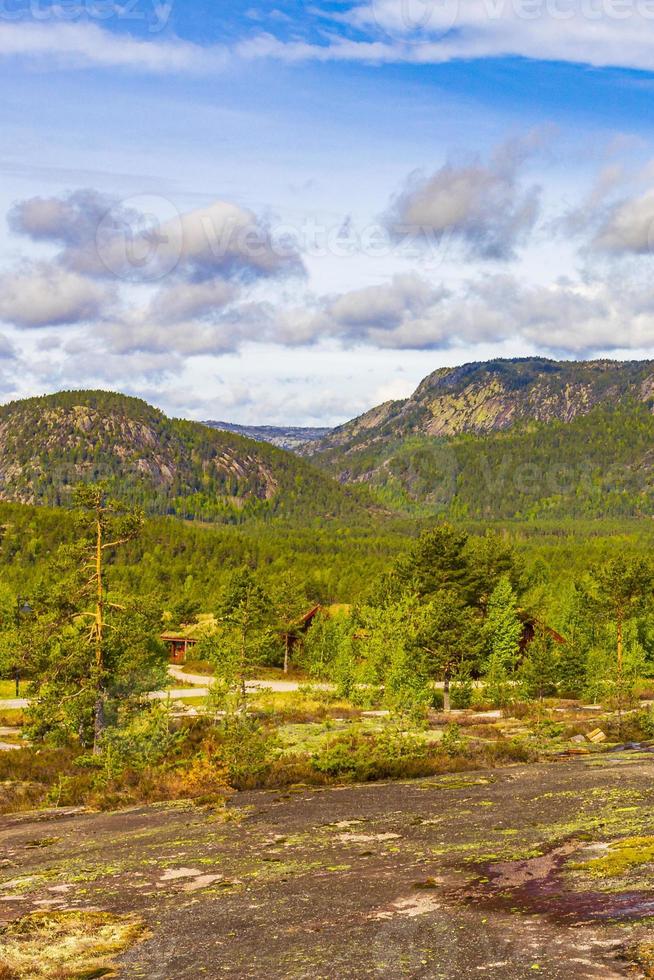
column 643, row 956
column 622, row 856
column 65, row 945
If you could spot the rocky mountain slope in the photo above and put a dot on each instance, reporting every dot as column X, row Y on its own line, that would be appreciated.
column 508, row 438
column 167, row 466
column 489, row 396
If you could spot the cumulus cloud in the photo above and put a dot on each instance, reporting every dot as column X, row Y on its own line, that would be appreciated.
column 480, row 205
column 194, row 266
column 42, row 294
column 188, row 300
column 132, row 335
column 573, row 317
column 629, row 227
column 142, row 239
column 383, row 306
column 71, row 220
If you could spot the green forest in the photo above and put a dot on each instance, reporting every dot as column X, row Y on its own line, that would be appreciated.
column 185, row 613
column 417, row 623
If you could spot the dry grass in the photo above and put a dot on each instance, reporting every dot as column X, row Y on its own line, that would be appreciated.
column 65, row 945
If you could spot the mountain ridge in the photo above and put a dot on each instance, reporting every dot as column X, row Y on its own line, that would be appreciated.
column 290, row 437
column 487, row 396
column 167, row 466
column 464, row 443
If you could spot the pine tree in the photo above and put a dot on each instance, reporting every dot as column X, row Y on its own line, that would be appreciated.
column 448, row 636
column 92, row 653
column 622, row 589
column 539, row 670
column 244, row 637
column 437, row 563
column 290, row 603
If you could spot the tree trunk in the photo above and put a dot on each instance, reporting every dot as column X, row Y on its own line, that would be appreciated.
column 619, row 686
column 286, row 657
column 446, row 693
column 99, row 716
column 243, row 662
column 99, row 723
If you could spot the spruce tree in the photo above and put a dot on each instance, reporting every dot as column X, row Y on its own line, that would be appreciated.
column 503, row 633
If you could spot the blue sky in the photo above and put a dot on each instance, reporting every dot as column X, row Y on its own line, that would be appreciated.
column 288, row 213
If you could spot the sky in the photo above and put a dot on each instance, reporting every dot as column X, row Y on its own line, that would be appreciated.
column 287, row 213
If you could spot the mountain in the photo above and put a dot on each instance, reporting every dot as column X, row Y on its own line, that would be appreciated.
column 508, row 438
column 167, row 466
column 290, row 437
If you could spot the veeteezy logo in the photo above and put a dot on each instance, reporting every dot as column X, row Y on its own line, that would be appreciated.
column 151, row 14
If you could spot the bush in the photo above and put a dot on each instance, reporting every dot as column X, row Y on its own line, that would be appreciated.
column 508, row 750
column 245, row 748
column 142, row 743
column 362, row 757
column 437, row 699
column 452, row 741
column 461, row 696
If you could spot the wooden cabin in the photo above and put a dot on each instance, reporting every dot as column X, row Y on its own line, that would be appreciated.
column 292, row 633
column 178, row 646
column 529, row 627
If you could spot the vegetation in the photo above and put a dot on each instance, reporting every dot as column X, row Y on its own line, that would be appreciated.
column 60, row 945
column 387, row 623
column 524, row 439
column 161, row 465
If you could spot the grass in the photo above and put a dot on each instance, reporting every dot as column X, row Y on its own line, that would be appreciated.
column 8, row 689
column 65, row 945
column 197, row 667
column 312, row 737
column 295, row 706
column 10, row 717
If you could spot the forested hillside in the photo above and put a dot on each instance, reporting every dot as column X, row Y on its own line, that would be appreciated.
column 522, row 439
column 494, row 395
column 166, row 466
column 330, row 563
column 509, row 439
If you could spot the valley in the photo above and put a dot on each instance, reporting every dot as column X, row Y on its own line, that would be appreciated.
column 411, row 721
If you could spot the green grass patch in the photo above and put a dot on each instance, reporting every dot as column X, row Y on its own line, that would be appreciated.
column 622, row 857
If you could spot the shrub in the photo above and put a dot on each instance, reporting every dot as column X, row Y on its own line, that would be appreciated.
column 245, row 748
column 437, row 699
column 362, row 757
column 461, row 696
column 508, row 750
column 142, row 743
column 452, row 741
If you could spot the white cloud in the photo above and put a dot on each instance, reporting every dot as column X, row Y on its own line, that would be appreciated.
column 629, row 227
column 595, row 32
column 601, row 33
column 143, row 239
column 84, row 45
column 573, row 317
column 480, row 205
column 43, row 294
column 187, row 300
column 385, row 305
